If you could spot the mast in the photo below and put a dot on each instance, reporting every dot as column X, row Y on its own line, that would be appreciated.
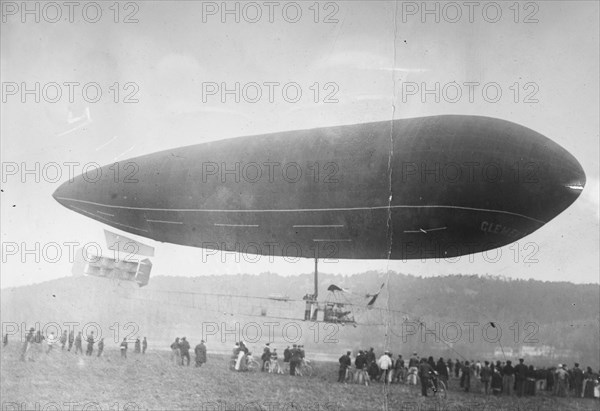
column 316, row 278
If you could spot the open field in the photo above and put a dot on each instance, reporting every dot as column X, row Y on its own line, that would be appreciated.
column 62, row 381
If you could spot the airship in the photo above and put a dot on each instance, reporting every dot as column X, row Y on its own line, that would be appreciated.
column 418, row 188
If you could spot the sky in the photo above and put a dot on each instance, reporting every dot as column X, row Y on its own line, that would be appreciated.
column 154, row 63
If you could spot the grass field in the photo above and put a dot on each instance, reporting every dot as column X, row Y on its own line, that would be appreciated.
column 63, row 381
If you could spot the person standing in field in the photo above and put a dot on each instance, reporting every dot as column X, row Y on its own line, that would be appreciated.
column 275, row 367
column 71, row 339
column 589, row 380
column 345, row 363
column 63, row 340
column 577, row 374
column 520, row 377
column 200, row 352
column 424, row 374
column 27, row 345
column 413, row 369
column 294, row 359
column 90, row 344
column 465, row 378
column 144, row 345
column 399, row 370
column 239, row 355
column 508, row 378
column 370, row 356
column 79, row 343
column 384, row 363
column 175, row 353
column 38, row 341
column 562, row 377
column 496, row 382
column 266, row 356
column 123, row 348
column 50, row 342
column 138, row 346
column 442, row 371
column 100, row 346
column 184, row 346
column 485, row 374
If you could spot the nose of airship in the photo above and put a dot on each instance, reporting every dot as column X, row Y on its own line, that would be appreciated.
column 61, row 193
column 105, row 195
column 575, row 178
column 75, row 190
column 559, row 176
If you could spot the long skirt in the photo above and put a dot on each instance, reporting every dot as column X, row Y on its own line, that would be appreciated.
column 588, row 389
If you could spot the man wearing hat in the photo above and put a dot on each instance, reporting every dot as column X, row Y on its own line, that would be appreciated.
column 295, row 359
column 577, row 379
column 26, row 345
column 520, row 377
column 370, row 356
column 508, row 378
column 266, row 356
column 384, row 363
column 424, row 374
column 413, row 369
column 200, row 351
column 184, row 348
column 345, row 363
column 562, row 377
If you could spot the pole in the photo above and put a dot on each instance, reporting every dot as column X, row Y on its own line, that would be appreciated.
column 316, row 278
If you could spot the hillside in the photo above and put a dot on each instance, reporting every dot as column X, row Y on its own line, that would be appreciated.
column 553, row 321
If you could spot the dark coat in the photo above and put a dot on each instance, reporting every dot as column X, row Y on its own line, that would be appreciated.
column 200, row 352
column 345, row 361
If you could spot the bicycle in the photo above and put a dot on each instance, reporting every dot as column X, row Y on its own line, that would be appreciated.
column 304, row 369
column 435, row 386
column 349, row 378
column 251, row 363
column 273, row 367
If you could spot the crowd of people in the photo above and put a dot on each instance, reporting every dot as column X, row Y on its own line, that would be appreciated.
column 499, row 378
column 293, row 358
column 180, row 352
column 35, row 343
column 488, row 377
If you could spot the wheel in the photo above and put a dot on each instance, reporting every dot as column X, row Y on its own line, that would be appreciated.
column 268, row 366
column 441, row 390
column 231, row 364
column 307, row 370
column 253, row 365
column 349, row 376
